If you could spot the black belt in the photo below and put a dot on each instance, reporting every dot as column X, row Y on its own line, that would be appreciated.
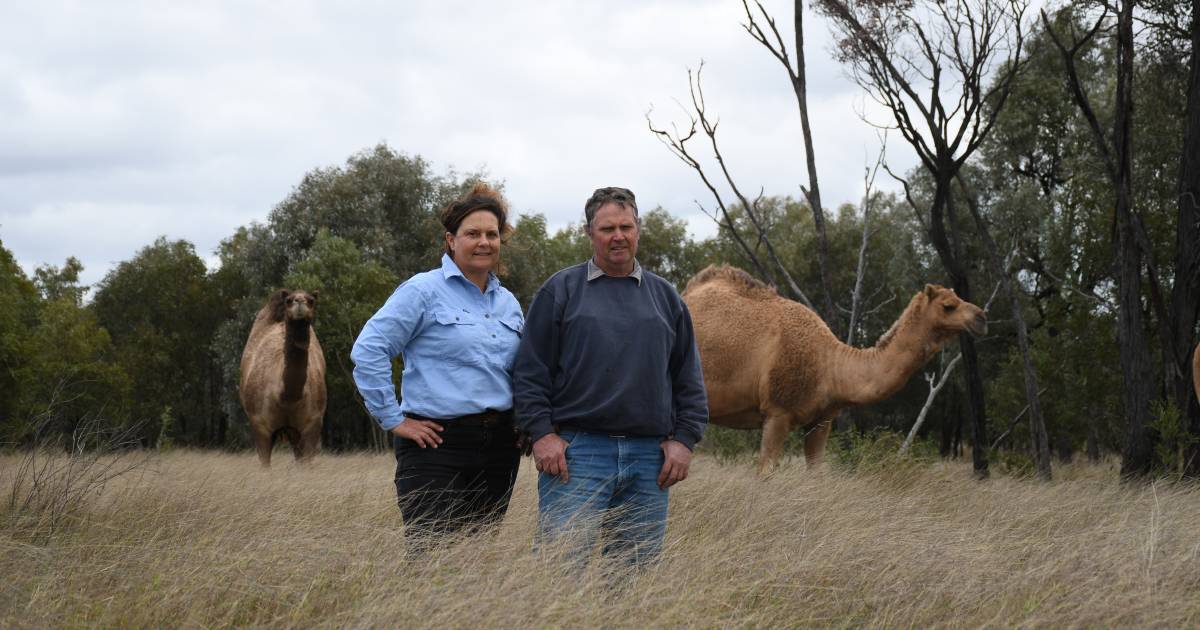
column 486, row 419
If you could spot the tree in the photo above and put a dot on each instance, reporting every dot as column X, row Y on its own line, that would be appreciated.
column 18, row 316
column 55, row 283
column 928, row 63
column 350, row 290
column 379, row 209
column 56, row 363
column 797, row 76
column 1135, row 228
column 161, row 315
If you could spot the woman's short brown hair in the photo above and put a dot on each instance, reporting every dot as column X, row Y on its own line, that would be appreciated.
column 480, row 197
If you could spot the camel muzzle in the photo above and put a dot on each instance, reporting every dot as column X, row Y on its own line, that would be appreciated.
column 978, row 326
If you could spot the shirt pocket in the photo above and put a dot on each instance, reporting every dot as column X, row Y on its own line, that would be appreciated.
column 508, row 338
column 515, row 324
column 455, row 337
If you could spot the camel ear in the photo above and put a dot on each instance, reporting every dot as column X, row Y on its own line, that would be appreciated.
column 930, row 291
column 277, row 302
column 316, row 297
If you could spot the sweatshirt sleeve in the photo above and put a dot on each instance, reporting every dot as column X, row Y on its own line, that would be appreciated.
column 536, row 364
column 687, row 383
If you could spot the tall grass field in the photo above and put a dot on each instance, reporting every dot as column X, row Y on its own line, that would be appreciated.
column 201, row 539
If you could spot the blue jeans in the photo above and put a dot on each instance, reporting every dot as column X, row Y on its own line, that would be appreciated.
column 612, row 494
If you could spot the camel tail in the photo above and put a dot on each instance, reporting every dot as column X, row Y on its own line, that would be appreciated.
column 290, row 434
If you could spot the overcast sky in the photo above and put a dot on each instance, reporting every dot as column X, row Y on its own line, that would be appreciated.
column 124, row 121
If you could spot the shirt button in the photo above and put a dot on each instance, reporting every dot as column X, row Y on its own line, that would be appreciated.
column 488, row 316
column 493, row 335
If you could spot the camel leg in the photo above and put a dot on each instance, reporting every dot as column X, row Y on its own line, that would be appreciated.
column 814, row 443
column 262, row 444
column 775, row 432
column 308, row 444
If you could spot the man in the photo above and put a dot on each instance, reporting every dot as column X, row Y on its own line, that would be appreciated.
column 608, row 387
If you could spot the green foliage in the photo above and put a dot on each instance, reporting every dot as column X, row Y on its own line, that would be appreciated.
column 161, row 315
column 1013, row 463
column 57, row 365
column 350, row 290
column 876, row 451
column 1174, row 442
column 18, row 317
column 384, row 202
column 665, row 248
column 741, row 446
column 55, row 283
column 166, row 422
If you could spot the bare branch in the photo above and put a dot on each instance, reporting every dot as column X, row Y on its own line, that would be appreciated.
column 935, row 386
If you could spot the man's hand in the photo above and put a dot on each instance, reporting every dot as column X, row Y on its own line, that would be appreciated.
column 676, row 460
column 423, row 432
column 550, row 456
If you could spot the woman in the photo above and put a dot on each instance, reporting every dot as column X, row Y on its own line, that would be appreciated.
column 458, row 330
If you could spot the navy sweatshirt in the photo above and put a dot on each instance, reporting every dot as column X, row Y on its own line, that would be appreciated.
column 612, row 356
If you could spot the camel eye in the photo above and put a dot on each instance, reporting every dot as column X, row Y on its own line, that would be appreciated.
column 949, row 307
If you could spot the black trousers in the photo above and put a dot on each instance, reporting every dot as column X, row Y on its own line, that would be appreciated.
column 462, row 485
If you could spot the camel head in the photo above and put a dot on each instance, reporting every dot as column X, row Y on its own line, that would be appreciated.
column 293, row 306
column 950, row 314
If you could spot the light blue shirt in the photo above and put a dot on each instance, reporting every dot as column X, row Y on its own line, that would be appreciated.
column 458, row 346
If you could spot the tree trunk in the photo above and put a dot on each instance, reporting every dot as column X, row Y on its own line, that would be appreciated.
column 1136, row 366
column 1037, row 423
column 1093, row 440
column 799, row 85
column 976, row 406
column 1185, row 296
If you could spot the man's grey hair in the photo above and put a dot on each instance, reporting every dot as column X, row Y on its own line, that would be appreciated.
column 610, row 194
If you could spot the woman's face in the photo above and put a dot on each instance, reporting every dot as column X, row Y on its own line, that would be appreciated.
column 475, row 247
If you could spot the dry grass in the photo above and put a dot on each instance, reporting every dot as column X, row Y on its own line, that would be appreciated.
column 198, row 539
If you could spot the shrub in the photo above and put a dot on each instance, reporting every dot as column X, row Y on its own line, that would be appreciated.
column 876, row 451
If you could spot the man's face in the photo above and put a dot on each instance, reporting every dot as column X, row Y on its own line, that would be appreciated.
column 614, row 237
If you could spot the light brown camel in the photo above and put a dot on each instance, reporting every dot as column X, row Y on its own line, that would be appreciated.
column 772, row 363
column 283, row 376
column 1196, row 369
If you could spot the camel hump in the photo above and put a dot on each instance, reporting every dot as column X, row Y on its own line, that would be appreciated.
column 731, row 276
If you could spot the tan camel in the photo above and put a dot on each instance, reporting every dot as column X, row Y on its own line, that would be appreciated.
column 283, row 376
column 773, row 363
column 1196, row 369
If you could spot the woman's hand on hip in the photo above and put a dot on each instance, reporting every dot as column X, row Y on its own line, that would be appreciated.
column 423, row 432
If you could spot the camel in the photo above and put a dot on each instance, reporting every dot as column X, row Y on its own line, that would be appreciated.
column 772, row 363
column 283, row 376
column 1196, row 369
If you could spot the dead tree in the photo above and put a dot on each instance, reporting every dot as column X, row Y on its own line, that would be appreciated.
column 797, row 77
column 677, row 142
column 930, row 63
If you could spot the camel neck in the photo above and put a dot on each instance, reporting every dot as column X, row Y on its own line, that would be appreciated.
column 295, row 359
column 869, row 375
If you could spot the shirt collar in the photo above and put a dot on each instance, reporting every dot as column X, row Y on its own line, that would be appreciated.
column 450, row 269
column 593, row 271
